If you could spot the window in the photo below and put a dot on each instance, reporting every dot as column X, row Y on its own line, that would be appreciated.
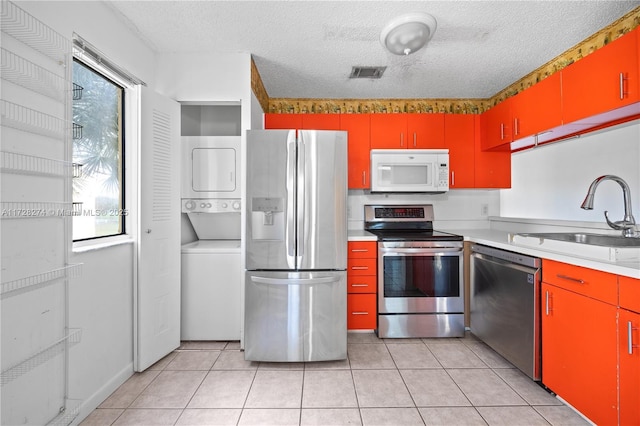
column 98, row 145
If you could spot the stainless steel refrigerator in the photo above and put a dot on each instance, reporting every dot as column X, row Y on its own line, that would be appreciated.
column 296, row 246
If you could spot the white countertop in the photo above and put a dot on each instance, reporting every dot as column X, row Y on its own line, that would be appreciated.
column 500, row 239
column 360, row 235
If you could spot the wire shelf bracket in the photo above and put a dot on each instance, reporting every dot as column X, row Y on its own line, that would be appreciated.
column 72, row 338
column 35, row 281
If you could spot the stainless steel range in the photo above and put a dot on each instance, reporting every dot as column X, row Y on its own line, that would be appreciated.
column 420, row 286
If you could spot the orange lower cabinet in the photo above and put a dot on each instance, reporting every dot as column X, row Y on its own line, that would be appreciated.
column 361, row 266
column 361, row 311
column 361, row 283
column 362, row 250
column 629, row 341
column 579, row 352
column 629, row 350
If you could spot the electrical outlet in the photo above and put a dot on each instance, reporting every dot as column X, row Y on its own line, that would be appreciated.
column 484, row 210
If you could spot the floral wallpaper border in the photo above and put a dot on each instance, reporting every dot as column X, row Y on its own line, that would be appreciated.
column 451, row 106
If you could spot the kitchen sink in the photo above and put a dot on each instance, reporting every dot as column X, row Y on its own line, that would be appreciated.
column 584, row 238
column 595, row 246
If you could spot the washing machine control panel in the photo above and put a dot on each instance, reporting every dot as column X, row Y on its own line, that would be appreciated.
column 208, row 205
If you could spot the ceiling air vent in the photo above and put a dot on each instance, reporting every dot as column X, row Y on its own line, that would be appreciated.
column 367, row 72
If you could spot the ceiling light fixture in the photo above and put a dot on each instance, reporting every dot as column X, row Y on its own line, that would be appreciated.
column 408, row 33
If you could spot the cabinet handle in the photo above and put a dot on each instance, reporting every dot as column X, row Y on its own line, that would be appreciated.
column 453, row 178
column 622, row 80
column 414, row 140
column 547, row 309
column 568, row 278
column 360, row 268
column 630, row 344
column 359, row 250
column 359, row 313
column 402, row 139
column 364, row 178
column 358, row 285
column 515, row 126
column 501, row 131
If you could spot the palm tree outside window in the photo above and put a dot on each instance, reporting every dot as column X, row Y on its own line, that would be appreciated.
column 98, row 145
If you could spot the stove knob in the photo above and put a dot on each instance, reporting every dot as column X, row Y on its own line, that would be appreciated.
column 224, row 205
column 208, row 205
column 203, row 205
column 236, row 205
column 190, row 205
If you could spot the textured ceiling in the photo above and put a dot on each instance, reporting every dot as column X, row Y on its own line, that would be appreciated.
column 305, row 49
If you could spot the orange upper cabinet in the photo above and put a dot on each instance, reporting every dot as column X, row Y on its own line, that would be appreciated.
column 492, row 168
column 388, row 131
column 302, row 121
column 603, row 81
column 321, row 121
column 283, row 121
column 402, row 131
column 357, row 127
column 537, row 109
column 425, row 131
column 530, row 112
column 459, row 133
column 496, row 125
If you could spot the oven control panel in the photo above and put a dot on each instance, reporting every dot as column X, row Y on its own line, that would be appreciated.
column 398, row 213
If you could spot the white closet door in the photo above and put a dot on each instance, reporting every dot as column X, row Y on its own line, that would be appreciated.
column 158, row 292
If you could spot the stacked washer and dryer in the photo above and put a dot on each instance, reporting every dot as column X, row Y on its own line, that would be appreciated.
column 211, row 267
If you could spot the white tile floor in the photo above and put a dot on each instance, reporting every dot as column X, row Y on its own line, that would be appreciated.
column 383, row 382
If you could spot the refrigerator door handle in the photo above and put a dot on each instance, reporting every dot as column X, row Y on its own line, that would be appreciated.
column 290, row 231
column 300, row 202
column 295, row 281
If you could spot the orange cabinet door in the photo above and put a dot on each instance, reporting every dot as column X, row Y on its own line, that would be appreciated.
column 320, row 121
column 357, row 127
column 425, row 131
column 629, row 369
column 629, row 289
column 362, row 250
column 537, row 109
column 492, row 168
column 579, row 352
column 361, row 283
column 496, row 126
column 361, row 266
column 361, row 312
column 599, row 285
column 283, row 121
column 459, row 131
column 388, row 131
column 605, row 80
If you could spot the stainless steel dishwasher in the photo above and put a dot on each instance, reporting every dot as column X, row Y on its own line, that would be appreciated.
column 505, row 305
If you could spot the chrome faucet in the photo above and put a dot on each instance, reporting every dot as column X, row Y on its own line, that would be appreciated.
column 628, row 224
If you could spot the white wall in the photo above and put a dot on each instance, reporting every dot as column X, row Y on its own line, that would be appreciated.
column 551, row 181
column 101, row 299
column 456, row 209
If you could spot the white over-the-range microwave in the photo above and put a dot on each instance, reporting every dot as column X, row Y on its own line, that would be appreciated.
column 410, row 170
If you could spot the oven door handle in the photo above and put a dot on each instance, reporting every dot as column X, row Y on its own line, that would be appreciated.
column 434, row 251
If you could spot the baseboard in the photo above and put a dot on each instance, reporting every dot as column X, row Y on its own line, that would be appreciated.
column 93, row 401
